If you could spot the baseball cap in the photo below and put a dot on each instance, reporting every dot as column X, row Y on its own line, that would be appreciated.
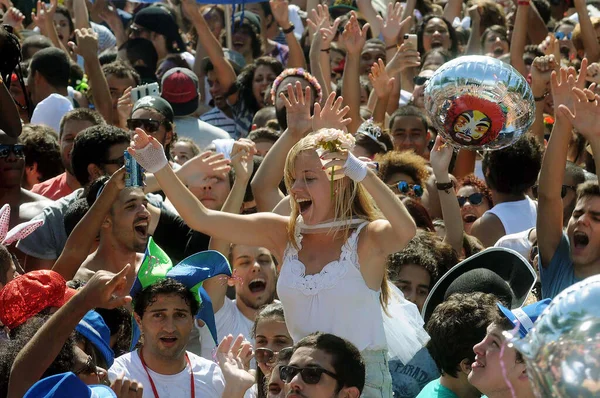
column 93, row 328
column 247, row 16
column 159, row 104
column 514, row 278
column 159, row 20
column 65, row 385
column 28, row 294
column 180, row 89
column 525, row 316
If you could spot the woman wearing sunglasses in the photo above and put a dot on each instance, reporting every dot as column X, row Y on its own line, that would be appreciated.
column 474, row 199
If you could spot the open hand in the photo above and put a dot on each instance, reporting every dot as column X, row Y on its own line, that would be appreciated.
column 14, row 18
column 44, row 15
column 207, row 164
column 124, row 106
column 584, row 113
column 563, row 83
column 353, row 38
column 392, row 25
column 380, row 80
column 87, row 43
column 242, row 155
column 280, row 11
column 231, row 356
column 297, row 104
column 331, row 115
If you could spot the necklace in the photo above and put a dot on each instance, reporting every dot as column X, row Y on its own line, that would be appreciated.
column 192, row 386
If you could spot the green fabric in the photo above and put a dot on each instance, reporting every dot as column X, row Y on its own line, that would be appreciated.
column 435, row 390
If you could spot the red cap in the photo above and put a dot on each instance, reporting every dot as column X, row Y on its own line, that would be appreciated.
column 27, row 295
column 180, row 88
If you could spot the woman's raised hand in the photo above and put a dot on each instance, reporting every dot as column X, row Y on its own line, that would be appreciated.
column 331, row 115
column 148, row 152
column 297, row 104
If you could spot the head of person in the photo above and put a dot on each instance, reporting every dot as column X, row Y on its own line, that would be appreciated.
column 324, row 365
column 48, row 73
column 263, row 116
column 416, row 268
column 419, row 214
column 217, row 91
column 215, row 18
column 64, row 25
column 409, row 129
column 371, row 141
column 156, row 117
column 118, row 321
column 271, row 337
column 280, row 85
column 264, row 138
column 183, row 150
column 274, row 386
column 171, row 61
column 583, row 229
column 119, row 76
column 563, row 31
column 418, row 95
column 404, row 172
column 494, row 41
column 574, row 175
column 268, row 26
column 256, row 79
column 71, row 124
column 474, row 199
column 33, row 44
column 435, row 58
column 373, row 50
column 436, row 32
column 12, row 162
column 492, row 13
column 499, row 368
column 159, row 25
column 98, row 151
column 42, row 154
column 142, row 56
column 165, row 313
column 462, row 319
column 180, row 88
column 212, row 191
column 257, row 273
column 513, row 170
column 246, row 35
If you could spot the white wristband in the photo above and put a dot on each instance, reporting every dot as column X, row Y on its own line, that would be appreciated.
column 356, row 169
column 150, row 158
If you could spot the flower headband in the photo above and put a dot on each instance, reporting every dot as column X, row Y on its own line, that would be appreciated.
column 299, row 72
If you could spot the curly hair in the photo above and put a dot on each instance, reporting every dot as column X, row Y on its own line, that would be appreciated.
column 472, row 181
column 243, row 82
column 406, row 162
column 149, row 295
column 462, row 319
column 419, row 213
column 41, row 147
column 513, row 170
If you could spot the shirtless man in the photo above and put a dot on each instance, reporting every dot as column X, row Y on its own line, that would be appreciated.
column 123, row 237
column 24, row 204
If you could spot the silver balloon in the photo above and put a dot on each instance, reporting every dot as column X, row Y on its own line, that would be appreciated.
column 479, row 102
column 562, row 351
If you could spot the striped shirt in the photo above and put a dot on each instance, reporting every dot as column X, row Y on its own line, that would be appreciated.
column 218, row 118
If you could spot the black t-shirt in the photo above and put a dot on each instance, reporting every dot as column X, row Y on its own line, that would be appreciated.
column 177, row 239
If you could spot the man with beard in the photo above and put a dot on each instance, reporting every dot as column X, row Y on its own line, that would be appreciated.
column 165, row 313
column 123, row 237
column 71, row 125
column 24, row 204
column 254, row 276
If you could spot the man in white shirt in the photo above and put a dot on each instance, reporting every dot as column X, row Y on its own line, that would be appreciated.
column 165, row 313
column 254, row 276
column 47, row 84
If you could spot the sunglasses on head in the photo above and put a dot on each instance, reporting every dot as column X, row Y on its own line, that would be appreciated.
column 148, row 125
column 562, row 35
column 310, row 375
column 420, row 80
column 6, row 150
column 266, row 355
column 475, row 199
column 88, row 368
column 563, row 190
column 404, row 187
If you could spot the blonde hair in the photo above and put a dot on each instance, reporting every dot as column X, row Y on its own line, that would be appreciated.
column 351, row 200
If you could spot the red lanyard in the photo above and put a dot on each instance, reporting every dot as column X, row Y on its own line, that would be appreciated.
column 192, row 386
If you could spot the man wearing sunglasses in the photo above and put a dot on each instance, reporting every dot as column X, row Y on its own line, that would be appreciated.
column 324, row 365
column 24, row 204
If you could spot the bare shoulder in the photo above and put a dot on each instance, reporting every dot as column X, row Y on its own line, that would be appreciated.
column 31, row 205
column 488, row 229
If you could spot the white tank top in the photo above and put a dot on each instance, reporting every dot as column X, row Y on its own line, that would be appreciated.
column 336, row 300
column 516, row 216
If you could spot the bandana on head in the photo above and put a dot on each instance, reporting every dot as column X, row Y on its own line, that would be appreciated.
column 20, row 231
column 191, row 272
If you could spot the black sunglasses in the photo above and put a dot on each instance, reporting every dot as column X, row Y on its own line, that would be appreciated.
column 563, row 190
column 266, row 355
column 120, row 161
column 404, row 187
column 88, row 368
column 475, row 199
column 309, row 375
column 148, row 125
column 6, row 150
column 420, row 80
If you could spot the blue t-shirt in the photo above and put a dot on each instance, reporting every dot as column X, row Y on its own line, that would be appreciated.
column 560, row 273
column 435, row 390
column 409, row 379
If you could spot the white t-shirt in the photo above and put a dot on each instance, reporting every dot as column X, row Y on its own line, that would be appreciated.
column 200, row 132
column 208, row 378
column 50, row 110
column 229, row 320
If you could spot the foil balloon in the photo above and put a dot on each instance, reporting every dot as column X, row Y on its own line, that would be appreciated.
column 479, row 102
column 562, row 350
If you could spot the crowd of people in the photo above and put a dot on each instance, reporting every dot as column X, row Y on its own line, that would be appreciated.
column 302, row 229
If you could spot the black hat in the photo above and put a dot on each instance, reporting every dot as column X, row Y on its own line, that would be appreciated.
column 496, row 270
column 159, row 20
column 159, row 104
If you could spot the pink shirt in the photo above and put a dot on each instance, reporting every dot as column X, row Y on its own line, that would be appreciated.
column 54, row 188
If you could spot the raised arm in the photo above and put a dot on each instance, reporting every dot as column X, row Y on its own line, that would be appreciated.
column 263, row 229
column 519, row 38
column 110, row 15
column 541, row 71
column 81, row 17
column 549, row 224
column 39, row 353
column 280, row 11
column 588, row 33
column 44, row 19
column 323, row 32
column 453, row 10
column 87, row 47
column 354, row 39
column 391, row 27
column 382, row 85
column 371, row 16
column 81, row 239
column 474, row 43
